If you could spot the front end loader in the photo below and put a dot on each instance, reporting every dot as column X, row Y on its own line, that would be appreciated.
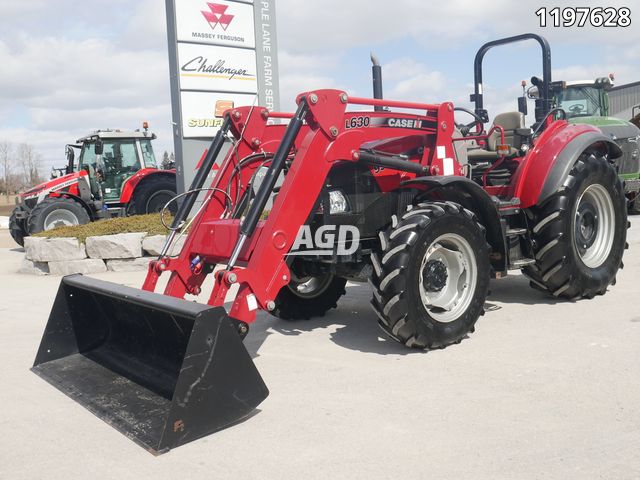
column 423, row 208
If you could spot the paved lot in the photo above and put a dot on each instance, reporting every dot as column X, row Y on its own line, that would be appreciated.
column 543, row 389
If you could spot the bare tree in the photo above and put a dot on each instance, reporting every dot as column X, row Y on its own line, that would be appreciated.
column 30, row 162
column 165, row 160
column 7, row 161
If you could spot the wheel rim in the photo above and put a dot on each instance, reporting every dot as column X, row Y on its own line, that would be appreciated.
column 158, row 200
column 310, row 286
column 594, row 222
column 60, row 218
column 448, row 276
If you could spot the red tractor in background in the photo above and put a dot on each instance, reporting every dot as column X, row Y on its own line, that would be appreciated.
column 435, row 209
column 116, row 175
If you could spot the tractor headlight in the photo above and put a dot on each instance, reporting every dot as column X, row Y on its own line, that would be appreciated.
column 337, row 202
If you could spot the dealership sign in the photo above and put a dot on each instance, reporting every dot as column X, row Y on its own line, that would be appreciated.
column 204, row 111
column 219, row 23
column 222, row 54
column 213, row 68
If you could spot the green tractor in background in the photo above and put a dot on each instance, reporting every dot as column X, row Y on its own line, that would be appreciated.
column 587, row 101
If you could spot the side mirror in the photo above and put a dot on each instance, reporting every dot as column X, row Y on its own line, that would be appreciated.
column 99, row 147
column 522, row 105
column 536, row 81
column 69, row 153
column 71, row 156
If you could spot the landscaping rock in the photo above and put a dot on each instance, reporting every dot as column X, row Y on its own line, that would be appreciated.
column 88, row 265
column 53, row 249
column 122, row 245
column 128, row 264
column 153, row 244
column 34, row 268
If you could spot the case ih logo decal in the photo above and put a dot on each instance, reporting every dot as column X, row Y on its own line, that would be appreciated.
column 404, row 123
column 363, row 122
column 217, row 16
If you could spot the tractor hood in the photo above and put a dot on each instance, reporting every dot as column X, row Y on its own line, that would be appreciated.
column 601, row 121
column 51, row 186
column 625, row 134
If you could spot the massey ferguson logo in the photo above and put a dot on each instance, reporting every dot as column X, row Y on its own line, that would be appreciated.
column 217, row 16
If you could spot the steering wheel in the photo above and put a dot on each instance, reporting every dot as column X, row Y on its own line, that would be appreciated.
column 465, row 129
column 576, row 109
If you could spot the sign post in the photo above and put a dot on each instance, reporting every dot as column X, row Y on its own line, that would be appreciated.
column 222, row 54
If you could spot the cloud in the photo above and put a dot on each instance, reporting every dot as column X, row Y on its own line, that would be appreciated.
column 72, row 66
column 91, row 71
column 300, row 73
column 80, row 74
column 333, row 24
column 407, row 79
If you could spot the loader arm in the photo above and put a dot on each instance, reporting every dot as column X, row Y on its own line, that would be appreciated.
column 330, row 135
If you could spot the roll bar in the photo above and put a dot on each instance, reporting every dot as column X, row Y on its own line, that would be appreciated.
column 543, row 104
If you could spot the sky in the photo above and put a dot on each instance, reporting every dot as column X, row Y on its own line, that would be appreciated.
column 72, row 66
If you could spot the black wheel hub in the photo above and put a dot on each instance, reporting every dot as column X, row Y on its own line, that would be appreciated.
column 586, row 229
column 434, row 276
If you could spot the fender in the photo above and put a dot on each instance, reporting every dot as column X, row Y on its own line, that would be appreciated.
column 548, row 164
column 471, row 196
column 132, row 182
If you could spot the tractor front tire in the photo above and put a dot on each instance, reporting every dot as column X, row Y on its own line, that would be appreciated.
column 309, row 297
column 16, row 227
column 431, row 278
column 55, row 212
column 579, row 234
column 153, row 194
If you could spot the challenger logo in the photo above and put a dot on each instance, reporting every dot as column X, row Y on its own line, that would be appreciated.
column 201, row 66
column 217, row 16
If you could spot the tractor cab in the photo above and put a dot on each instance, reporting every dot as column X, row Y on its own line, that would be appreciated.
column 587, row 102
column 111, row 157
column 109, row 173
column 583, row 98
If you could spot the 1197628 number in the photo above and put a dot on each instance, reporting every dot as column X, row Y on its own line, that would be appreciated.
column 581, row 16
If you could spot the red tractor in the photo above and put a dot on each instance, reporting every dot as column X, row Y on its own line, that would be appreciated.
column 426, row 209
column 116, row 175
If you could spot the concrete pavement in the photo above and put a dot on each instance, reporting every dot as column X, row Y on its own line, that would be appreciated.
column 543, row 389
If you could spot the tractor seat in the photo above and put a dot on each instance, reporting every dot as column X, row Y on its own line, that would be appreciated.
column 93, row 184
column 511, row 122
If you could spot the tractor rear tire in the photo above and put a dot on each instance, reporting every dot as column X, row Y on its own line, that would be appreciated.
column 579, row 234
column 55, row 212
column 153, row 194
column 16, row 227
column 431, row 278
column 309, row 297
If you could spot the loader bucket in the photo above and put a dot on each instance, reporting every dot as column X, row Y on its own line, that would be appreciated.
column 162, row 370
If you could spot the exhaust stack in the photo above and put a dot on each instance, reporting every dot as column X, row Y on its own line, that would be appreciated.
column 376, row 71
